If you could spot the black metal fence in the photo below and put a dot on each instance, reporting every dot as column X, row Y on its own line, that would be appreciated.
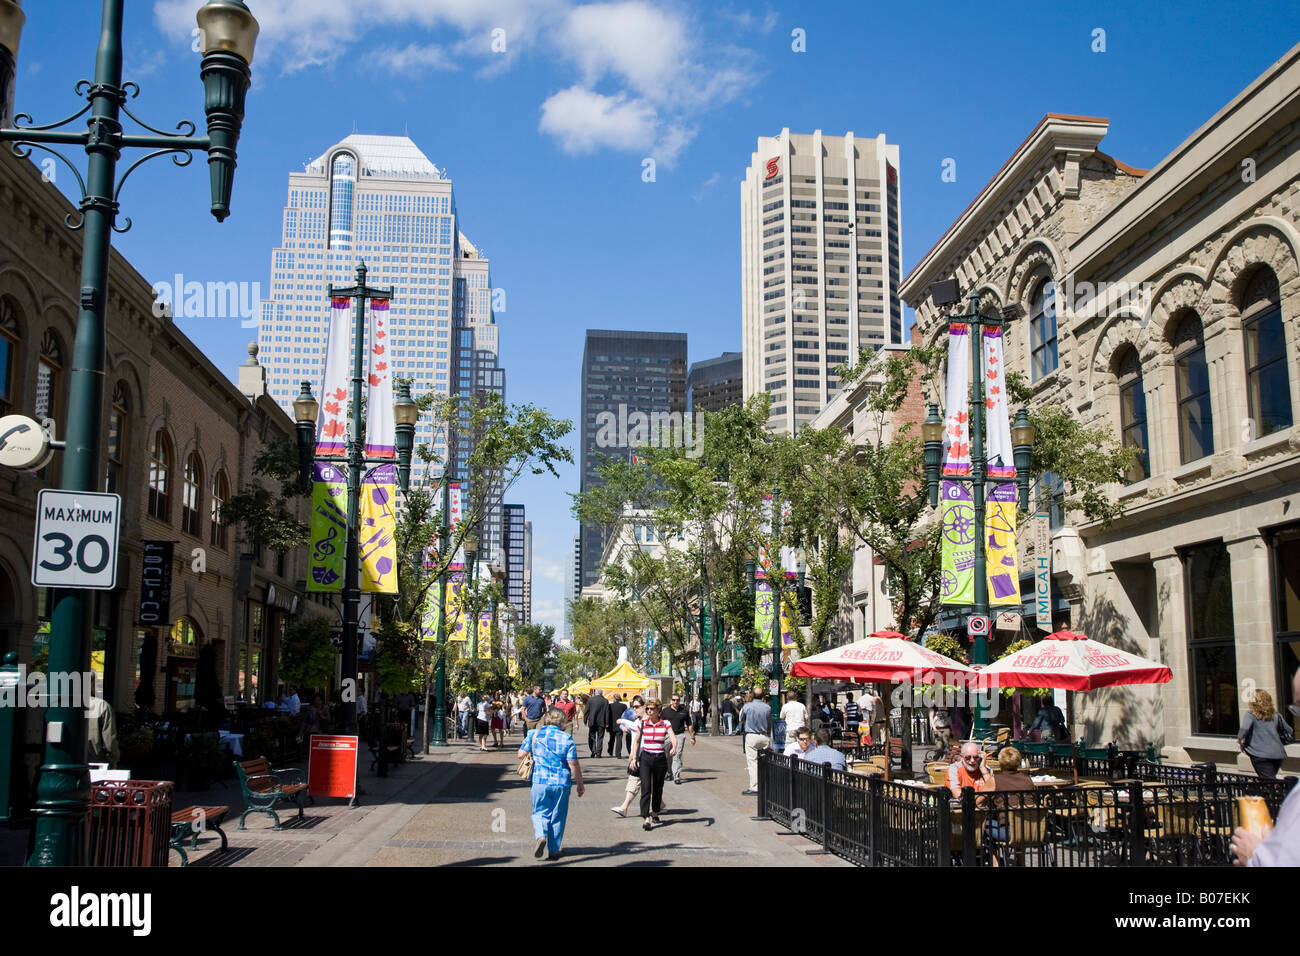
column 1165, row 816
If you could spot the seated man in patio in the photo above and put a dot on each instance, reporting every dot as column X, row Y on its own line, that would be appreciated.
column 799, row 743
column 824, row 752
column 969, row 771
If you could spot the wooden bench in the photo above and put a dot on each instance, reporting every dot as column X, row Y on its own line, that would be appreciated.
column 264, row 787
column 192, row 821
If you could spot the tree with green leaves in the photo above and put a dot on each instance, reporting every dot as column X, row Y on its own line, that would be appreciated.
column 534, row 645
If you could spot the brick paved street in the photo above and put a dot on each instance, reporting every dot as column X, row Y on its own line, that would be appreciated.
column 462, row 807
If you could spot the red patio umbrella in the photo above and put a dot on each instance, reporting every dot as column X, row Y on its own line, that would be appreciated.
column 1072, row 662
column 883, row 656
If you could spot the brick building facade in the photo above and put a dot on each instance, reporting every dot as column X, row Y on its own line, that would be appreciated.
column 178, row 439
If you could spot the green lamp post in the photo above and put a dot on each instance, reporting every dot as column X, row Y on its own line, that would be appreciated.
column 305, row 413
column 228, row 33
column 1023, row 435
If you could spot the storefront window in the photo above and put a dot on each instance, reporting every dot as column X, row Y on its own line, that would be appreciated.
column 1286, row 577
column 1211, row 639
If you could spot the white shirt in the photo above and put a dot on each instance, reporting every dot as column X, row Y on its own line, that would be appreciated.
column 483, row 710
column 795, row 715
column 463, row 704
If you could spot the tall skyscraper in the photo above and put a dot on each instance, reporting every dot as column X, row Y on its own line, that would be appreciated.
column 624, row 374
column 515, row 547
column 715, row 383
column 380, row 199
column 821, row 263
column 526, row 608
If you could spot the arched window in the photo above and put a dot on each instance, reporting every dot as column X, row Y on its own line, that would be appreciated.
column 113, row 470
column 191, row 494
column 217, row 524
column 1268, row 388
column 1195, row 417
column 160, row 467
column 1133, row 412
column 9, row 339
column 49, row 370
column 1042, row 331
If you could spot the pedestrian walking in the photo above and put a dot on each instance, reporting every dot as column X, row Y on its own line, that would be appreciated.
column 597, row 722
column 756, row 726
column 728, row 710
column 879, row 719
column 616, row 711
column 534, row 708
column 697, row 715
column 482, row 718
column 555, row 769
column 497, row 721
column 463, row 707
column 1264, row 735
column 678, row 718
column 653, row 742
column 794, row 713
column 633, row 785
column 852, row 717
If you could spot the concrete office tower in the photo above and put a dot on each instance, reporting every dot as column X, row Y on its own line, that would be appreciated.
column 380, row 199
column 715, row 383
column 821, row 262
column 624, row 374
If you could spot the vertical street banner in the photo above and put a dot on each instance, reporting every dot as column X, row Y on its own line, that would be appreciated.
column 455, row 607
column 331, row 425
column 329, row 508
column 378, row 540
column 957, row 582
column 485, row 635
column 763, row 611
column 454, row 505
column 1043, row 571
column 1000, row 510
column 788, row 554
column 381, row 433
column 789, row 614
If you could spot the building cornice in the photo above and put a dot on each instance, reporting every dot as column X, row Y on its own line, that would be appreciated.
column 1056, row 134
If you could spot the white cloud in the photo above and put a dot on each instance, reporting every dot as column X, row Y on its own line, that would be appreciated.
column 413, row 57
column 706, row 187
column 584, row 121
column 549, row 612
column 645, row 73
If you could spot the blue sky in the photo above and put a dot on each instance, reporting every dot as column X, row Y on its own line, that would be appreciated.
column 543, row 113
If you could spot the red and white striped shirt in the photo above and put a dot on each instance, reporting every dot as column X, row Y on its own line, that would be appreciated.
column 653, row 735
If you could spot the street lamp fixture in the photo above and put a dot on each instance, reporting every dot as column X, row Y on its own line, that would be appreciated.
column 1023, row 434
column 306, row 412
column 405, row 414
column 228, row 32
column 932, row 432
column 227, row 35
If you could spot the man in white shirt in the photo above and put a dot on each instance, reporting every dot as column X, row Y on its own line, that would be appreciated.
column 463, row 706
column 794, row 713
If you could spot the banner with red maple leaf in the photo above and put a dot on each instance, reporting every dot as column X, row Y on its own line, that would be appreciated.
column 331, row 424
column 380, row 428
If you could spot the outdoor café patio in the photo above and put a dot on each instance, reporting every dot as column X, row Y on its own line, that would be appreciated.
column 1089, row 806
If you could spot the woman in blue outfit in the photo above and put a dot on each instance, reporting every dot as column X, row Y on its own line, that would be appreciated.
column 555, row 768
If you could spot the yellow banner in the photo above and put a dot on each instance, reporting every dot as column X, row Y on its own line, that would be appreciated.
column 379, row 530
column 1000, row 550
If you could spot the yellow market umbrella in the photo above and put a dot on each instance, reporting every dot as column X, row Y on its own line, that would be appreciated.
column 623, row 678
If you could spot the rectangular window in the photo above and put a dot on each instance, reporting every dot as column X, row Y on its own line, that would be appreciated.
column 1211, row 639
column 1286, row 584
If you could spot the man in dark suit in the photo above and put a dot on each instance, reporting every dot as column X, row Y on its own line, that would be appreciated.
column 597, row 722
column 616, row 708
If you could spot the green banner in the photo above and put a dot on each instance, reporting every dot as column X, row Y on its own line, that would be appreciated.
column 957, row 584
column 329, row 508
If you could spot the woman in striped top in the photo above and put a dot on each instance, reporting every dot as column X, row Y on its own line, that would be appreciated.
column 653, row 742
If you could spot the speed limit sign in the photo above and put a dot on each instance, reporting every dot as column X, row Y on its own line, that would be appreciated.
column 76, row 539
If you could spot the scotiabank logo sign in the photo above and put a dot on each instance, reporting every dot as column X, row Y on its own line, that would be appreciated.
column 773, row 167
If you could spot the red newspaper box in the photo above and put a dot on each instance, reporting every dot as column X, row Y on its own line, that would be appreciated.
column 332, row 766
